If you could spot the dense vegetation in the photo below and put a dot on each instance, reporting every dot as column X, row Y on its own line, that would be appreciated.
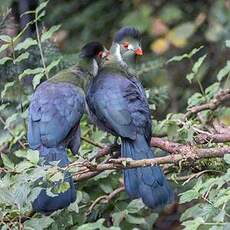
column 186, row 73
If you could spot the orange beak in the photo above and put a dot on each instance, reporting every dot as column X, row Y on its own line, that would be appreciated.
column 139, row 52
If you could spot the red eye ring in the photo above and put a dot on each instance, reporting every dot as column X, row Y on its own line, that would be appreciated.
column 126, row 45
column 100, row 54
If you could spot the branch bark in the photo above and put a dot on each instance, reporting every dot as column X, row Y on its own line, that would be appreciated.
column 215, row 138
column 222, row 96
column 178, row 152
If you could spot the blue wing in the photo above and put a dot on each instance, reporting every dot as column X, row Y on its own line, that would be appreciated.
column 55, row 109
column 119, row 105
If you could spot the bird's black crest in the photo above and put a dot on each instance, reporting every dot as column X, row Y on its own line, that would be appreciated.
column 127, row 32
column 91, row 49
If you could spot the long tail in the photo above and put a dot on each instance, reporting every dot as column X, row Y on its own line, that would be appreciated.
column 149, row 183
column 47, row 204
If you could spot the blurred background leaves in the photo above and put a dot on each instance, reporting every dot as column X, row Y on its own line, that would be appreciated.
column 175, row 71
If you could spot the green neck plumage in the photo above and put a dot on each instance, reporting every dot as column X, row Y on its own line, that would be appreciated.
column 78, row 75
column 129, row 59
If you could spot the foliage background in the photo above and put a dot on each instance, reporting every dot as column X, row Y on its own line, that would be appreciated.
column 169, row 28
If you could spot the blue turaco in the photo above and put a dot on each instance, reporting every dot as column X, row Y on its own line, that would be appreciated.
column 118, row 105
column 54, row 115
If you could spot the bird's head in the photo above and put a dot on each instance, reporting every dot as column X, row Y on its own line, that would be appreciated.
column 129, row 40
column 95, row 54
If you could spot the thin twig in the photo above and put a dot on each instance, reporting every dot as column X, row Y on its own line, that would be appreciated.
column 92, row 142
column 40, row 46
column 105, row 198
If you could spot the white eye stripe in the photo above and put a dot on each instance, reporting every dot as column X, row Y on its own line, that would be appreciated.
column 130, row 47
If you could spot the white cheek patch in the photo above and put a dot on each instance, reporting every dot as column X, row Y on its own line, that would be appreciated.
column 95, row 68
column 130, row 47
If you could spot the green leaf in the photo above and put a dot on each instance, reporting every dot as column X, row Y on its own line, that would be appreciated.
column 118, row 217
column 212, row 90
column 194, row 51
column 53, row 64
column 28, row 42
column 220, row 216
column 224, row 72
column 4, row 60
column 7, row 162
column 33, row 156
column 21, row 193
column 140, row 18
column 135, row 220
column 63, row 187
column 92, row 226
column 3, row 106
column 184, row 30
column 199, row 210
column 28, row 72
column 37, row 79
column 30, row 155
column 195, row 99
column 73, row 207
column 227, row 43
column 218, row 228
column 171, row 13
column 5, row 38
column 198, row 63
column 227, row 158
column 135, row 206
column 38, row 223
column 190, row 77
column 188, row 196
column 215, row 31
column 48, row 34
column 21, row 57
column 23, row 165
column 193, row 224
column 41, row 6
column 11, row 119
column 6, row 87
column 177, row 58
column 4, row 47
column 189, row 55
column 107, row 188
column 57, row 177
column 41, row 14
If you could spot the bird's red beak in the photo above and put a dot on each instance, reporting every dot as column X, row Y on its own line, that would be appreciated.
column 139, row 52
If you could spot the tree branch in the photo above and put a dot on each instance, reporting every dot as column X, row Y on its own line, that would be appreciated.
column 215, row 138
column 222, row 96
column 178, row 152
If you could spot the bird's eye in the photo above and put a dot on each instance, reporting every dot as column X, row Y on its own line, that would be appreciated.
column 125, row 45
column 100, row 54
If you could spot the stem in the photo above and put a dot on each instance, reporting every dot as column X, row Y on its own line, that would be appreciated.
column 12, row 46
column 201, row 87
column 40, row 46
column 227, row 82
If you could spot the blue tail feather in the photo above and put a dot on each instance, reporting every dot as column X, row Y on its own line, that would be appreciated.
column 130, row 175
column 44, row 203
column 148, row 183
